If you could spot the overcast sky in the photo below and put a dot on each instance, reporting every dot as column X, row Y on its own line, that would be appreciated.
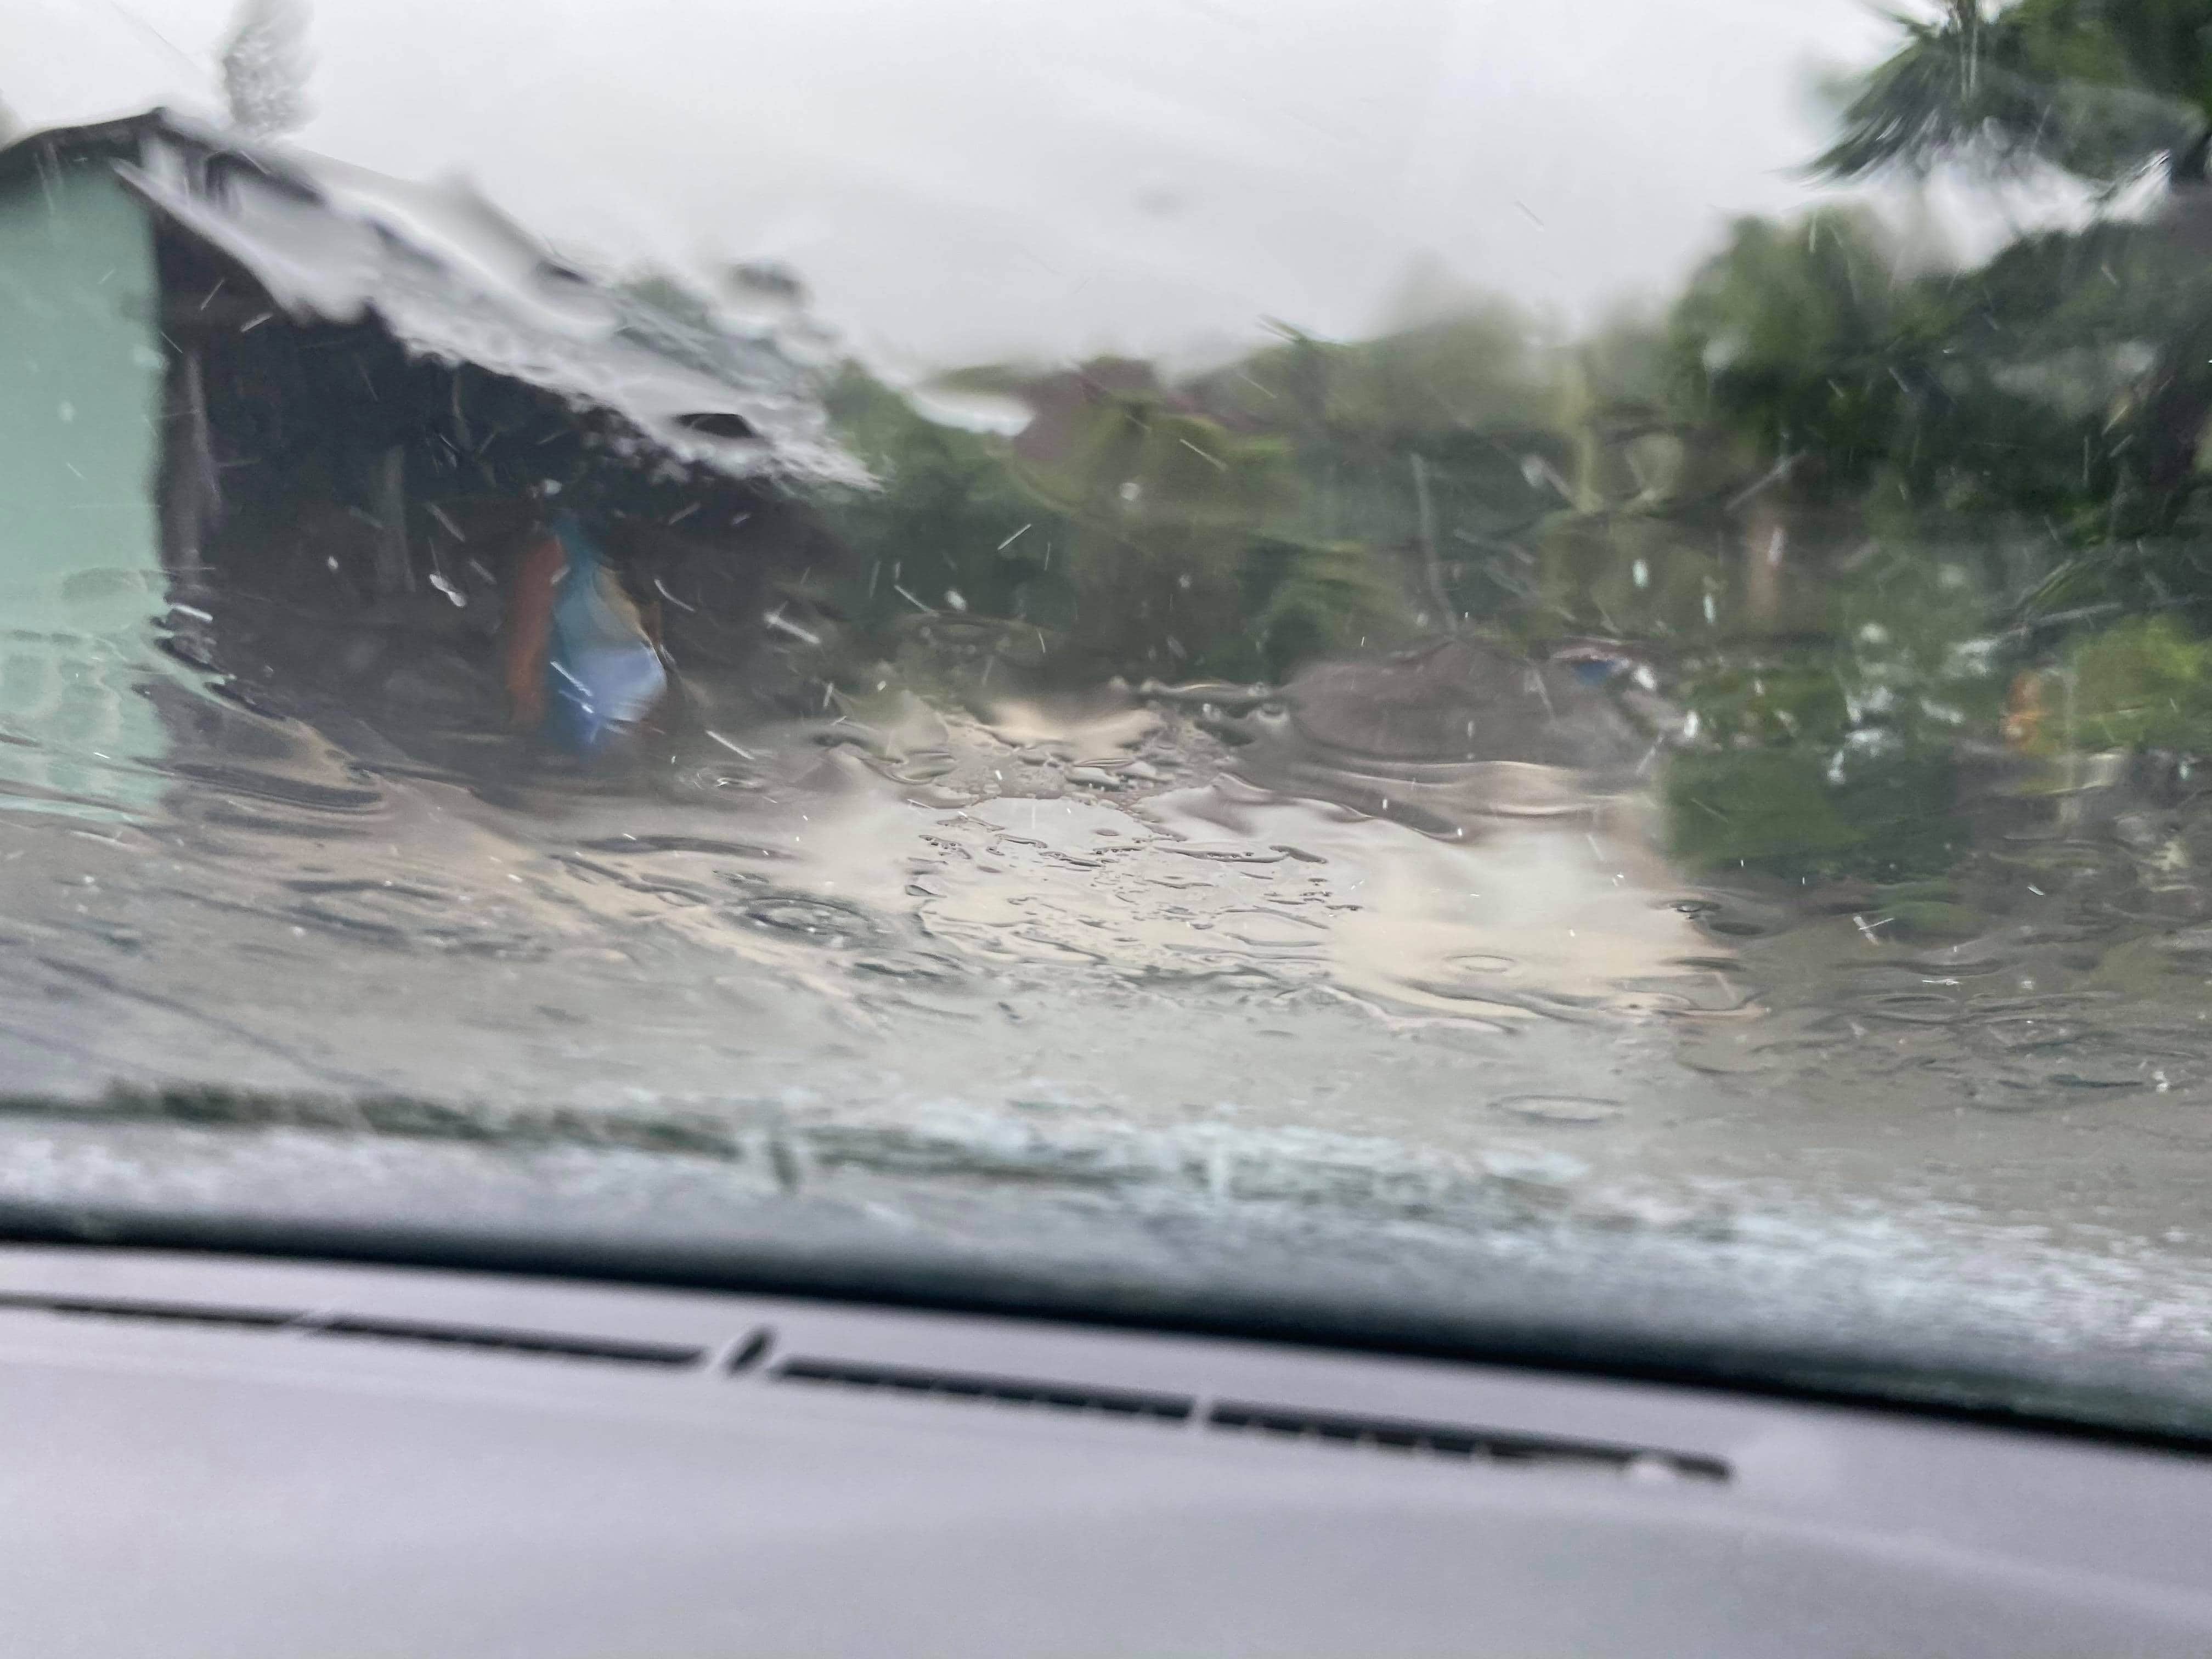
column 961, row 178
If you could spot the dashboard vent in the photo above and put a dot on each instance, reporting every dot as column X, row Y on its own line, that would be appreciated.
column 546, row 1345
column 179, row 1312
column 537, row 1345
column 1457, row 1441
column 1405, row 1437
column 1004, row 1391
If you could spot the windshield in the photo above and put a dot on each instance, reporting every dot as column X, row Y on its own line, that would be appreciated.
column 1529, row 680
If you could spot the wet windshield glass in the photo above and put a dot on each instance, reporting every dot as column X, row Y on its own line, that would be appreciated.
column 1491, row 661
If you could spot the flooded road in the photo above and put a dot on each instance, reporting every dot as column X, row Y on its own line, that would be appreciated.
column 1700, row 805
column 1095, row 926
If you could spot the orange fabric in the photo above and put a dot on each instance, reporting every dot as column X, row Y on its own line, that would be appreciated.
column 2024, row 712
column 530, row 627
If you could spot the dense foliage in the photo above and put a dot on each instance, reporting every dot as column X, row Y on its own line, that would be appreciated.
column 1860, row 512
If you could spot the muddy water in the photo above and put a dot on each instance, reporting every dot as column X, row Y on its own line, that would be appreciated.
column 1104, row 927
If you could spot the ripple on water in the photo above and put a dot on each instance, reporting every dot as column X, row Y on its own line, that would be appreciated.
column 706, row 845
column 404, row 915
column 1477, row 962
column 1910, row 1007
column 1560, row 1108
column 276, row 789
column 2020, row 1033
column 814, row 919
column 1971, row 959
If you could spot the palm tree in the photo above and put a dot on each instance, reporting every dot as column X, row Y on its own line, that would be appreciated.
column 2110, row 91
column 2104, row 89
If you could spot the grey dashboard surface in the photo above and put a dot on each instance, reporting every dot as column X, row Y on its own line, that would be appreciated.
column 202, row 1455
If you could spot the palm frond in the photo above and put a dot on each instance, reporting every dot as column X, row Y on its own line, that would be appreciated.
column 1985, row 92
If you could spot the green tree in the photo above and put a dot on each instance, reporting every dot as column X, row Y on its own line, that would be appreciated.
column 2109, row 91
column 1801, row 337
column 1165, row 505
column 951, row 525
column 2103, row 89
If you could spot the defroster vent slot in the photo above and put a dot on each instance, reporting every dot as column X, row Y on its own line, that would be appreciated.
column 1129, row 1403
column 1458, row 1441
column 534, row 1345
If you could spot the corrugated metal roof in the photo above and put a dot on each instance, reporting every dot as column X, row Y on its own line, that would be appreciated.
column 453, row 279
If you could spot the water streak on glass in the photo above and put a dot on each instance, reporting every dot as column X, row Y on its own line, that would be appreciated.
column 1372, row 706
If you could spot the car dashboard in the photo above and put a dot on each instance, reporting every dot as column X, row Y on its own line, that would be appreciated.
column 217, row 1455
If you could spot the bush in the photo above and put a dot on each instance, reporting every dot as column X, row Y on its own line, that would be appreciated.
column 2144, row 683
column 1783, row 812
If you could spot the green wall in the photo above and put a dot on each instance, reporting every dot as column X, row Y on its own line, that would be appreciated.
column 81, row 580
